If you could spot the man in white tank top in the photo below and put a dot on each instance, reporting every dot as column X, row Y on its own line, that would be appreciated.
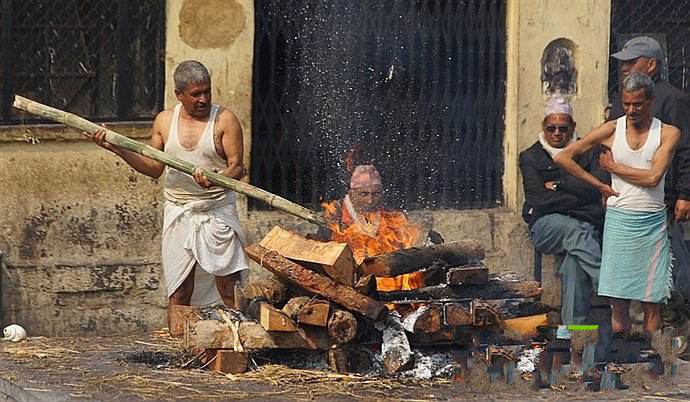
column 636, row 257
column 202, row 238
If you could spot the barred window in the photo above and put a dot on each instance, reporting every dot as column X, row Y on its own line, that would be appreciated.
column 668, row 22
column 102, row 59
column 417, row 85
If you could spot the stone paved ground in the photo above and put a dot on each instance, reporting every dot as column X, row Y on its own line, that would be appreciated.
column 96, row 368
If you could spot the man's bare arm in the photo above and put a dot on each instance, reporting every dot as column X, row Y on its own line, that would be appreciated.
column 670, row 136
column 566, row 159
column 140, row 163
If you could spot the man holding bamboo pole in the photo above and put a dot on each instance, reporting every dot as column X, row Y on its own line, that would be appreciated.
column 202, row 237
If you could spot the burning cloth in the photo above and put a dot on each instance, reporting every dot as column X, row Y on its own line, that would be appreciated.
column 372, row 233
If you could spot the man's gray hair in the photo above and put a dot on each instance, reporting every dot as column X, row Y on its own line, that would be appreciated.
column 636, row 81
column 190, row 72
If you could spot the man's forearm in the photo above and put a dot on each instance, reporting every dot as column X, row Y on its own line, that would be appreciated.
column 140, row 163
column 576, row 170
column 636, row 176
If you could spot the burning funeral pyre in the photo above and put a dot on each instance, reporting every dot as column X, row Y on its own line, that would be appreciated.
column 327, row 299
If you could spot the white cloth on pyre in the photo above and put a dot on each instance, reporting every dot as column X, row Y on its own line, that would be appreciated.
column 206, row 233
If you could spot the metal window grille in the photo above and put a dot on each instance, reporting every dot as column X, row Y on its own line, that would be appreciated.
column 417, row 86
column 668, row 22
column 102, row 59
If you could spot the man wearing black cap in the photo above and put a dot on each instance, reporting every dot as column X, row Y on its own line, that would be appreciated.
column 643, row 54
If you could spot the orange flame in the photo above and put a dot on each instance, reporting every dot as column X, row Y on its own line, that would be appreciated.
column 394, row 232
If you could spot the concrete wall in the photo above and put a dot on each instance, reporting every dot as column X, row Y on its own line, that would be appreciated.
column 80, row 231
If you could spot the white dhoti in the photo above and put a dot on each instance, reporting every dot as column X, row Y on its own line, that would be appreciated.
column 206, row 233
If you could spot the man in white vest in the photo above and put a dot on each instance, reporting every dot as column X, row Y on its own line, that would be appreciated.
column 202, row 237
column 636, row 255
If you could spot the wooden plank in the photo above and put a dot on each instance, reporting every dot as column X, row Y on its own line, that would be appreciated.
column 230, row 362
column 273, row 319
column 472, row 275
column 314, row 312
column 492, row 290
column 425, row 319
column 413, row 259
column 316, row 283
column 335, row 258
column 179, row 315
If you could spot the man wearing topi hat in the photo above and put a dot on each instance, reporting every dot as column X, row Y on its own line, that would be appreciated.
column 564, row 214
column 643, row 54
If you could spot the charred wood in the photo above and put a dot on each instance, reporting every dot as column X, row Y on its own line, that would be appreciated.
column 414, row 259
column 492, row 290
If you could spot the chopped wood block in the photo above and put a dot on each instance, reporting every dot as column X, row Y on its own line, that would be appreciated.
column 476, row 275
column 180, row 315
column 335, row 258
column 267, row 289
column 209, row 334
column 213, row 334
column 484, row 314
column 413, row 259
column 425, row 319
column 314, row 313
column 230, row 362
column 366, row 285
column 456, row 315
column 304, row 310
column 316, row 283
column 342, row 326
column 445, row 336
column 273, row 319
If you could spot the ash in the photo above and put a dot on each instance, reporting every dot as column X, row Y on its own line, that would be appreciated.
column 431, row 364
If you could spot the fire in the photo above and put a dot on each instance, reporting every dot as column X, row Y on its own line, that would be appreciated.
column 394, row 232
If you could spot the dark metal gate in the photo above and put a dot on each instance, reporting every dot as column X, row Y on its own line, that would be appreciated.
column 103, row 59
column 666, row 21
column 418, row 87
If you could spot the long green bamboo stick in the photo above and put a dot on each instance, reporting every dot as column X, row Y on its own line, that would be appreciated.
column 112, row 137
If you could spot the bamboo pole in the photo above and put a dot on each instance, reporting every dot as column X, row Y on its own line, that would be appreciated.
column 112, row 137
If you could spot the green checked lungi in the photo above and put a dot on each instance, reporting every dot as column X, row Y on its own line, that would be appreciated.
column 636, row 256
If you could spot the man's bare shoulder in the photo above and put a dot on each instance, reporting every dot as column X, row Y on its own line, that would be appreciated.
column 668, row 130
column 227, row 116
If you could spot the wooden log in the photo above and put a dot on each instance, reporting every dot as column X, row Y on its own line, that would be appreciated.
column 213, row 334
column 366, row 285
column 342, row 326
column 209, row 334
column 445, row 336
column 473, row 275
column 425, row 319
column 434, row 275
column 316, row 283
column 413, row 259
column 304, row 310
column 334, row 258
column 268, row 289
column 273, row 319
column 456, row 314
column 230, row 362
column 121, row 141
column 492, row 290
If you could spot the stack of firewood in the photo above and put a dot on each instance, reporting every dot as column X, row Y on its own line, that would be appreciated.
column 323, row 301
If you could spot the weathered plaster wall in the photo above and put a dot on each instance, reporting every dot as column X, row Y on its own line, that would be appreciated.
column 532, row 25
column 79, row 233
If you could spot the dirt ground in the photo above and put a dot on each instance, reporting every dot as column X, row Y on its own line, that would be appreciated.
column 105, row 369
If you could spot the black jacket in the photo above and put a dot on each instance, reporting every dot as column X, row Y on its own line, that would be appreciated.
column 573, row 197
column 671, row 106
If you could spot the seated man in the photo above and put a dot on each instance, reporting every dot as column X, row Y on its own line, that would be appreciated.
column 360, row 220
column 564, row 214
